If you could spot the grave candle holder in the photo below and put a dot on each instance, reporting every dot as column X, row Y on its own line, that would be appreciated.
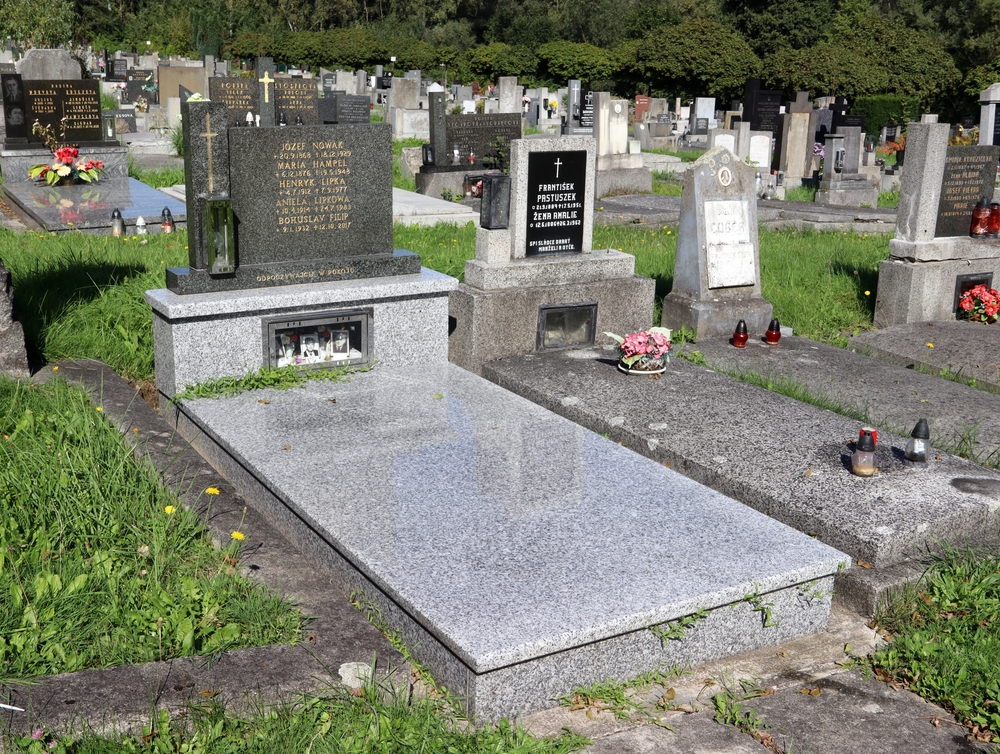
column 916, row 448
column 994, row 221
column 863, row 458
column 740, row 336
column 428, row 154
column 494, row 211
column 166, row 221
column 117, row 224
column 980, row 220
column 773, row 334
column 217, row 239
column 108, row 126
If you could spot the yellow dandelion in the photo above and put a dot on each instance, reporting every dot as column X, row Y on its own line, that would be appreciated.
column 169, row 510
column 868, row 293
column 55, row 369
column 135, row 430
column 211, row 490
column 238, row 536
column 99, row 408
column 930, row 345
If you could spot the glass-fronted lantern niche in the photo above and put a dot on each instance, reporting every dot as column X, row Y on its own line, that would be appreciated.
column 319, row 341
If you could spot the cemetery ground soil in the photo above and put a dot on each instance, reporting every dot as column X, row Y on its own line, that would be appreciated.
column 80, row 296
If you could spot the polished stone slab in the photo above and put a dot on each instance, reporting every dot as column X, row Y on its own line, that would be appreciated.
column 785, row 458
column 88, row 207
column 518, row 553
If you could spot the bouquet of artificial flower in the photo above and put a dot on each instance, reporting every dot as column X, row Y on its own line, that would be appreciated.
column 644, row 349
column 66, row 167
column 981, row 304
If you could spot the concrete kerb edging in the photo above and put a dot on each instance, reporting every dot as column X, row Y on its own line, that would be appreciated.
column 337, row 643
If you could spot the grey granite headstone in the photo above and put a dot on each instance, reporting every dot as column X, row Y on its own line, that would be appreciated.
column 717, row 273
column 264, row 73
column 39, row 63
column 206, row 169
column 239, row 96
column 641, row 131
column 297, row 98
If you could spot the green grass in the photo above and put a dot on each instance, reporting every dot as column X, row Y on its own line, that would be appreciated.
column 888, row 199
column 375, row 719
column 100, row 565
column 801, row 194
column 157, row 178
column 945, row 638
column 81, row 296
column 686, row 155
column 667, row 188
column 398, row 181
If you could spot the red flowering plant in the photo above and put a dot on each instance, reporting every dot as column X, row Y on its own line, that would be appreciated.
column 980, row 304
column 643, row 351
column 66, row 167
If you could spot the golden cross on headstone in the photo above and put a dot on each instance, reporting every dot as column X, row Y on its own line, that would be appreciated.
column 266, row 81
column 208, row 137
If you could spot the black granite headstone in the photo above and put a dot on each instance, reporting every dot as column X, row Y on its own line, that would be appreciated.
column 700, row 127
column 312, row 204
column 297, row 98
column 761, row 107
column 891, row 133
column 344, row 109
column 124, row 121
column 137, row 84
column 969, row 175
column 587, row 111
column 238, row 95
column 996, row 124
column 14, row 109
column 116, row 70
column 557, row 183
column 487, row 137
column 73, row 105
column 845, row 120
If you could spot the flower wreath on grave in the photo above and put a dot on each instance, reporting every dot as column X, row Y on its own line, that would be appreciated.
column 643, row 352
column 980, row 304
column 66, row 169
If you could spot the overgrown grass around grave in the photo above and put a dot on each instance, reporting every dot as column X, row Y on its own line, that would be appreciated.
column 398, row 180
column 944, row 638
column 156, row 177
column 375, row 719
column 80, row 296
column 686, row 155
column 801, row 194
column 99, row 564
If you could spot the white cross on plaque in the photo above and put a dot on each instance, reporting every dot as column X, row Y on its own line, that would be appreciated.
column 557, row 163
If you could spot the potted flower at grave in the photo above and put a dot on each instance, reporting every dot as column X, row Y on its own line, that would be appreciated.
column 66, row 168
column 141, row 104
column 980, row 304
column 643, row 352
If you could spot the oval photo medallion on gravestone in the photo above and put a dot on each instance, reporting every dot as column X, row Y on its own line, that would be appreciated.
column 557, row 183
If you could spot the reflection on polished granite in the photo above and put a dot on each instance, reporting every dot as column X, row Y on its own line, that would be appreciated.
column 507, row 533
column 87, row 207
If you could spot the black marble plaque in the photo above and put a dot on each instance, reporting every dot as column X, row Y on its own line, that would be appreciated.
column 14, row 109
column 297, row 98
column 238, row 95
column 79, row 102
column 124, row 121
column 587, row 111
column 765, row 115
column 844, row 120
column 700, row 126
column 135, row 85
column 969, row 175
column 557, row 183
column 487, row 137
column 116, row 70
column 353, row 109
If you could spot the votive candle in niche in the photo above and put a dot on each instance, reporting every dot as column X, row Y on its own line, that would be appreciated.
column 740, row 336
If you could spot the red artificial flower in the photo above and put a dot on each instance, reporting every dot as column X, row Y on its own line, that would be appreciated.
column 966, row 303
column 66, row 154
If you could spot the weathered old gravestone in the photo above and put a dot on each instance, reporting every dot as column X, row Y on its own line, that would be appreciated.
column 618, row 169
column 932, row 259
column 509, row 95
column 795, row 145
column 39, row 63
column 13, row 357
column 340, row 108
column 539, row 283
column 717, row 273
column 843, row 184
column 315, row 206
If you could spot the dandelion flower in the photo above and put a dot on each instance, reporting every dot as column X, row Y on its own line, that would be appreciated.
column 930, row 345
column 868, row 293
column 238, row 536
column 211, row 490
column 169, row 510
column 99, row 408
column 55, row 369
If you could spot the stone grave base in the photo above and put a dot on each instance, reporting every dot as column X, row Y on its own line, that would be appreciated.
column 495, row 324
column 863, row 195
column 87, row 207
column 205, row 336
column 918, row 291
column 712, row 319
column 410, row 124
column 623, row 181
column 517, row 554
column 784, row 458
column 14, row 163
column 434, row 183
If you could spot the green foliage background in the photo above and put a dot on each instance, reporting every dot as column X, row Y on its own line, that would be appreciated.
column 935, row 56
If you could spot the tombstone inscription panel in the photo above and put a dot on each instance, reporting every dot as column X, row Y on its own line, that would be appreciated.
column 73, row 104
column 488, row 137
column 297, row 97
column 587, row 111
column 237, row 94
column 556, row 189
column 730, row 254
column 969, row 175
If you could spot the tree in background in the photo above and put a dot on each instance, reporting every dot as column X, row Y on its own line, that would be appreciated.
column 37, row 24
column 490, row 62
column 770, row 25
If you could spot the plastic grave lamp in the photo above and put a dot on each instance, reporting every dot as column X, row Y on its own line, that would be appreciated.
column 863, row 458
column 494, row 211
column 773, row 334
column 916, row 447
column 117, row 223
column 166, row 221
column 740, row 335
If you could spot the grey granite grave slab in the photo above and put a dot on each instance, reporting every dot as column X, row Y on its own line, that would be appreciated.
column 557, row 269
column 787, row 459
column 468, row 515
column 209, row 335
column 90, row 205
column 14, row 163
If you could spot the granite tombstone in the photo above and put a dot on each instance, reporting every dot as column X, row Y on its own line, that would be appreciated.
column 297, row 98
column 557, row 185
column 969, row 175
column 237, row 94
column 63, row 104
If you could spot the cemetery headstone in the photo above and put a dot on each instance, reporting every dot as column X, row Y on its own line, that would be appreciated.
column 73, row 105
column 509, row 95
column 932, row 259
column 13, row 355
column 989, row 123
column 486, row 137
column 264, row 71
column 16, row 123
column 761, row 107
column 717, row 273
column 557, row 183
column 48, row 65
column 641, row 131
column 297, row 98
column 341, row 108
column 124, row 121
column 116, row 70
column 642, row 104
column 239, row 95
